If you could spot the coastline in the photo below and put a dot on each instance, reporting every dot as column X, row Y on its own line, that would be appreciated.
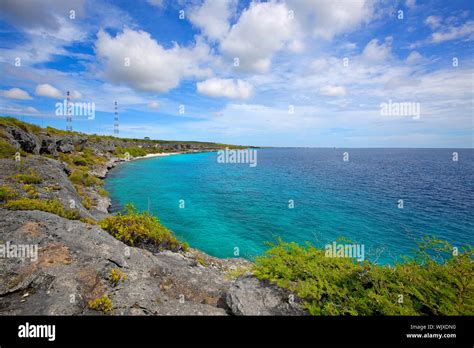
column 162, row 154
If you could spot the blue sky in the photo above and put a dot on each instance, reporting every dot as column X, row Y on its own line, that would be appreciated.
column 309, row 72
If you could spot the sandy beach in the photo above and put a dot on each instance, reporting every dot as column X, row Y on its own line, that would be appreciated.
column 157, row 155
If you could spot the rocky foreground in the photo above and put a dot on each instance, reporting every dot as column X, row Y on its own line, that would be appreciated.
column 76, row 257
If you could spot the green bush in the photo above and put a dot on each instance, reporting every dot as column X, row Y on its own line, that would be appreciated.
column 116, row 276
column 339, row 286
column 53, row 206
column 103, row 192
column 133, row 151
column 102, row 304
column 29, row 177
column 31, row 190
column 135, row 228
column 7, row 193
column 80, row 177
column 6, row 149
column 79, row 161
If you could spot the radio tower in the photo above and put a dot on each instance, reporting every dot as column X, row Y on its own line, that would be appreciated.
column 116, row 120
column 68, row 114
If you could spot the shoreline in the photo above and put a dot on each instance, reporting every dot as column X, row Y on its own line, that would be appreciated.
column 160, row 154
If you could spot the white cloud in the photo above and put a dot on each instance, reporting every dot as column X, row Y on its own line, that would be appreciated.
column 151, row 68
column 31, row 110
column 15, row 93
column 44, row 14
column 319, row 64
column 328, row 18
column 433, row 21
column 225, row 88
column 46, row 90
column 414, row 57
column 296, row 46
column 153, row 105
column 212, row 17
column 156, row 3
column 261, row 30
column 332, row 91
column 378, row 52
column 410, row 3
column 452, row 32
column 76, row 95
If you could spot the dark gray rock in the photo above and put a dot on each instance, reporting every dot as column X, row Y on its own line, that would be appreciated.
column 65, row 145
column 48, row 145
column 249, row 296
column 28, row 142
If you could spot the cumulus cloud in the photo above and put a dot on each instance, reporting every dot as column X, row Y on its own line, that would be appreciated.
column 261, row 30
column 229, row 88
column 332, row 91
column 46, row 90
column 212, row 17
column 377, row 52
column 15, row 93
column 134, row 58
column 328, row 18
column 414, row 57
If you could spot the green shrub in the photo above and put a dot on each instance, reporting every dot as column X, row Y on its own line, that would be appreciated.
column 79, row 161
column 102, row 304
column 53, row 206
column 339, row 286
column 132, row 228
column 133, row 151
column 7, row 150
column 7, row 193
column 103, row 192
column 31, row 190
column 80, row 177
column 29, row 177
column 86, row 200
column 116, row 276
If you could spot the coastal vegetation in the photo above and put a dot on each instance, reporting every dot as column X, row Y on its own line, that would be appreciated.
column 30, row 176
column 102, row 304
column 437, row 280
column 53, row 206
column 140, row 228
column 7, row 192
column 116, row 276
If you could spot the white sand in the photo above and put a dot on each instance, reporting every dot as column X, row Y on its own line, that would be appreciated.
column 157, row 155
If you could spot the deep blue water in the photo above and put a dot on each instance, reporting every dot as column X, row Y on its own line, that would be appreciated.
column 234, row 205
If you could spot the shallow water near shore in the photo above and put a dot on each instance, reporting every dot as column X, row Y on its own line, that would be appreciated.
column 229, row 206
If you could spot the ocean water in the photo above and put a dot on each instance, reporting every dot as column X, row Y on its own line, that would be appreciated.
column 228, row 206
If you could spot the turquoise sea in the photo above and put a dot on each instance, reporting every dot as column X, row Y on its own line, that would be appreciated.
column 235, row 205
